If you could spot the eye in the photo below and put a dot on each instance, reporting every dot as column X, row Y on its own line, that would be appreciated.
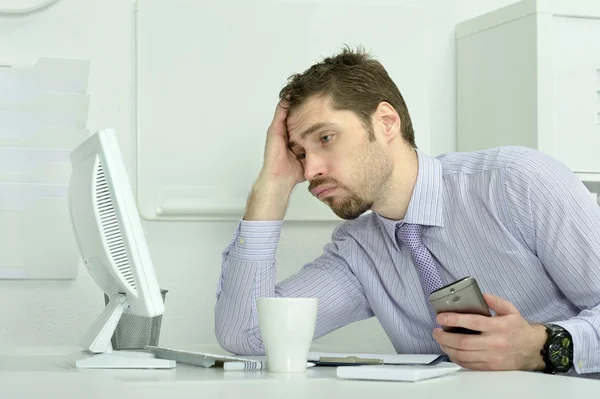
column 326, row 138
column 301, row 156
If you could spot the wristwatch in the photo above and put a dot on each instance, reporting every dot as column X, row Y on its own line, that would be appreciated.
column 558, row 350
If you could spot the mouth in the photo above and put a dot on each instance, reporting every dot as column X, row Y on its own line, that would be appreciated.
column 322, row 191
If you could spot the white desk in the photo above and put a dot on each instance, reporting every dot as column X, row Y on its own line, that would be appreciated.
column 34, row 373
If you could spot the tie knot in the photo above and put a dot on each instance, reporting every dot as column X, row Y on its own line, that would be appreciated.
column 410, row 234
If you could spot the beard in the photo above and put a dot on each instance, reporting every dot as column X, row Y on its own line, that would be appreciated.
column 350, row 207
column 372, row 172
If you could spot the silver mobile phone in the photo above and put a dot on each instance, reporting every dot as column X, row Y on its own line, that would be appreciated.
column 462, row 296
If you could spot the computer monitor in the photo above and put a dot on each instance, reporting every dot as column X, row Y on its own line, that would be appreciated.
column 113, row 248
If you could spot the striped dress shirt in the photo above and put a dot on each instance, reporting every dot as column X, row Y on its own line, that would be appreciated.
column 514, row 218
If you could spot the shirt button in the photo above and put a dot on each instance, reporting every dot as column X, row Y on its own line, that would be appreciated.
column 241, row 240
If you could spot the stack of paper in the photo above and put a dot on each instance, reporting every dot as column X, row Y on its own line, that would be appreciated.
column 43, row 115
column 409, row 373
column 366, row 358
column 391, row 367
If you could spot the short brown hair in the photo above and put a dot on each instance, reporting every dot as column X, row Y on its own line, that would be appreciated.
column 355, row 82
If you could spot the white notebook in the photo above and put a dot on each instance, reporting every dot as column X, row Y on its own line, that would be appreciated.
column 385, row 358
column 396, row 373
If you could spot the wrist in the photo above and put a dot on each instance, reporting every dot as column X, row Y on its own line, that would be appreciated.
column 281, row 185
column 538, row 339
column 268, row 199
column 558, row 349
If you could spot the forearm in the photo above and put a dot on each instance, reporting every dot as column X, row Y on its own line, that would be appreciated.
column 268, row 200
column 248, row 272
column 556, row 219
column 585, row 332
column 236, row 318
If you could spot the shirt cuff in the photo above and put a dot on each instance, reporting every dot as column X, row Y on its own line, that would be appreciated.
column 585, row 345
column 256, row 241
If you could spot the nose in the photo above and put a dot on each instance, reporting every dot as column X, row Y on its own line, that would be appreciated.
column 313, row 167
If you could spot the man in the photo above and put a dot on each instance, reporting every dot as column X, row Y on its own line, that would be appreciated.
column 515, row 219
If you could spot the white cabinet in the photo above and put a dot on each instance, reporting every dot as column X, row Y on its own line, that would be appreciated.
column 576, row 64
column 529, row 74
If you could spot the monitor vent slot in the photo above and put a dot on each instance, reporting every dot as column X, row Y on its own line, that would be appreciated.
column 110, row 227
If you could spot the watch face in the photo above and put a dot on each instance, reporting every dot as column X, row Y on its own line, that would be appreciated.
column 560, row 352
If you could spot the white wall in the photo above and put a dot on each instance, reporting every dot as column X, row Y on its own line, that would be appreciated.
column 186, row 255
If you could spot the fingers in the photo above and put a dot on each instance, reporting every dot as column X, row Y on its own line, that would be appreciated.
column 458, row 356
column 466, row 342
column 471, row 359
column 285, row 102
column 278, row 127
column 471, row 321
column 473, row 365
column 487, row 363
column 501, row 306
column 281, row 111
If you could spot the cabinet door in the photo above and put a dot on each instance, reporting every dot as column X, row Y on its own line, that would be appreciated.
column 576, row 64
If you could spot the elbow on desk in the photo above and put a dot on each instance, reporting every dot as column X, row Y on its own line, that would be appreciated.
column 239, row 344
column 242, row 342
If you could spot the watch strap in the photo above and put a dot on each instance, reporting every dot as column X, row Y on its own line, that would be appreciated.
column 552, row 330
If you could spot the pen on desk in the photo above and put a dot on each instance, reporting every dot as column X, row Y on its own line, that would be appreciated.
column 243, row 366
column 249, row 366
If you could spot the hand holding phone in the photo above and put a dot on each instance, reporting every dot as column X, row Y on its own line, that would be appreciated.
column 462, row 296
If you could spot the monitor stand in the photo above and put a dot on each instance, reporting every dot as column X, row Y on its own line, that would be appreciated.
column 122, row 360
column 98, row 347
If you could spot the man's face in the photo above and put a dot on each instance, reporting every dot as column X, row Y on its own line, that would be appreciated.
column 347, row 166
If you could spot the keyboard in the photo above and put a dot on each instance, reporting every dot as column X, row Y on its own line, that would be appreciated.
column 201, row 359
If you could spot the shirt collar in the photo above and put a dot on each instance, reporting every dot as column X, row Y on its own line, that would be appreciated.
column 426, row 203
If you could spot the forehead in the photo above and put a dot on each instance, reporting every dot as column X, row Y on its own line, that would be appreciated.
column 314, row 110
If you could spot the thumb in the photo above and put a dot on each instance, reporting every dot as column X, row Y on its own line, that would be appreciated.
column 500, row 306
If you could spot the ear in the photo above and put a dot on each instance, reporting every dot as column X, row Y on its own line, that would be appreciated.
column 388, row 119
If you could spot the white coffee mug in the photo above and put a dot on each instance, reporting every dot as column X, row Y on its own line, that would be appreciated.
column 287, row 326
